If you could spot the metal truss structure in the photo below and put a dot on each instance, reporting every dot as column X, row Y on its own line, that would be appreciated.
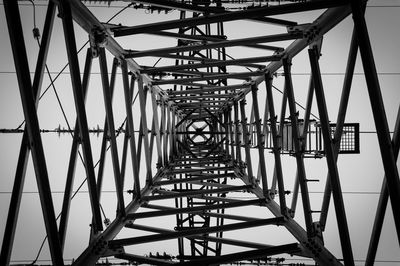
column 207, row 131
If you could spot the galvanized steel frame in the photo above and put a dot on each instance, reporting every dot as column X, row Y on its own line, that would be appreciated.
column 219, row 154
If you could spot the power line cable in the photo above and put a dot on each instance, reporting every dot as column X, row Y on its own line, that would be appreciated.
column 37, row 36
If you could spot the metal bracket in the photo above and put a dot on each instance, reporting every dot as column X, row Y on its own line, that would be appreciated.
column 308, row 30
column 97, row 39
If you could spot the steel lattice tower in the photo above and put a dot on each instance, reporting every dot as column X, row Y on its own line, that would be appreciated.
column 202, row 155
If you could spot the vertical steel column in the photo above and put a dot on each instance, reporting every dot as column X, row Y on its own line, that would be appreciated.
column 298, row 152
column 260, row 142
column 111, row 131
column 72, row 158
column 344, row 100
column 331, row 161
column 246, row 141
column 145, row 129
column 130, row 126
column 32, row 125
column 378, row 110
column 19, row 180
column 69, row 35
column 276, row 145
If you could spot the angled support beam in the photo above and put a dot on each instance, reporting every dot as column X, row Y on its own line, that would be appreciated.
column 344, row 100
column 231, row 134
column 105, row 144
column 382, row 204
column 298, row 152
column 111, row 131
column 214, row 116
column 304, row 133
column 246, row 140
column 73, row 157
column 164, row 124
column 215, row 146
column 185, row 118
column 260, row 142
column 331, row 161
column 276, row 145
column 29, row 102
column 226, row 128
column 140, row 138
column 184, row 146
column 174, row 142
column 238, row 155
column 91, row 255
column 280, row 132
column 131, row 130
column 12, row 217
column 129, row 88
column 142, row 100
column 69, row 36
column 378, row 110
column 156, row 131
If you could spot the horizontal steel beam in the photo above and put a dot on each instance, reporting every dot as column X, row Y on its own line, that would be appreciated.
column 224, row 240
column 190, row 179
column 200, row 209
column 201, row 97
column 171, row 195
column 204, row 88
column 200, row 170
column 195, row 231
column 241, row 75
column 236, row 62
column 228, row 43
column 199, row 103
column 246, row 255
column 143, row 259
column 238, row 15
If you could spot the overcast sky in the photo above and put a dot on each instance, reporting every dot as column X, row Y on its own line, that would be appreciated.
column 361, row 174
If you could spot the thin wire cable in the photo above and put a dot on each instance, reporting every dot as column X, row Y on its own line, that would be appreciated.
column 274, row 87
column 67, row 64
column 65, row 117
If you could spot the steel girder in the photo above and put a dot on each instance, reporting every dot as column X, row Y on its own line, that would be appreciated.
column 201, row 130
